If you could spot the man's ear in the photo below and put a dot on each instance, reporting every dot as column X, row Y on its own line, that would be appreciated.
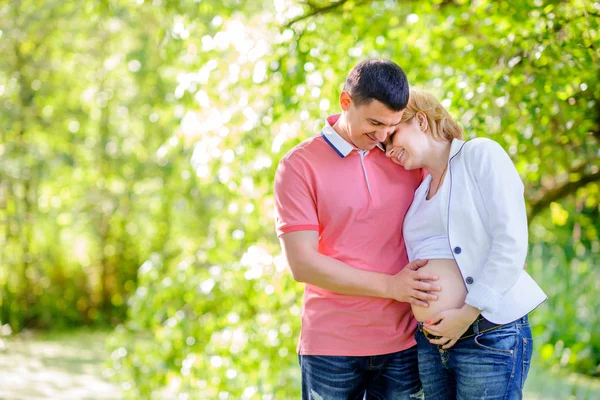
column 345, row 100
column 422, row 120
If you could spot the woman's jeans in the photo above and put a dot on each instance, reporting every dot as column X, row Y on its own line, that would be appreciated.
column 489, row 365
column 388, row 376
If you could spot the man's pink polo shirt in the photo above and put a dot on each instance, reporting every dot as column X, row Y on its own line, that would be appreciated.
column 357, row 201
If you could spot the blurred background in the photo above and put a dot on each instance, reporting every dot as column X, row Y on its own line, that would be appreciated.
column 138, row 145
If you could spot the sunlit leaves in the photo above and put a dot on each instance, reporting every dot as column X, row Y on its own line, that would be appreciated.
column 140, row 141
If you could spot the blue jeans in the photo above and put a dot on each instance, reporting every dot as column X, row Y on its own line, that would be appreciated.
column 490, row 365
column 388, row 376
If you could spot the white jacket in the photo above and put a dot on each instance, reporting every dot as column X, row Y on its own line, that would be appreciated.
column 487, row 230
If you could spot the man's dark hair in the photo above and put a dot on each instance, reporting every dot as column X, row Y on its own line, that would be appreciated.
column 377, row 79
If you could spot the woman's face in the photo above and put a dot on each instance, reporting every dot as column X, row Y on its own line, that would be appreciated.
column 407, row 145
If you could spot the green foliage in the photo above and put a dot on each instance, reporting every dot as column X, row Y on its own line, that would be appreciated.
column 565, row 262
column 204, row 329
column 139, row 142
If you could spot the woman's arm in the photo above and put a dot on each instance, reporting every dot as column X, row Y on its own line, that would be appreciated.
column 502, row 191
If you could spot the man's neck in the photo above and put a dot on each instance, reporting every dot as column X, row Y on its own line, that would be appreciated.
column 341, row 127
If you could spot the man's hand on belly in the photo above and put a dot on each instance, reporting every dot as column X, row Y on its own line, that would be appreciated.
column 413, row 286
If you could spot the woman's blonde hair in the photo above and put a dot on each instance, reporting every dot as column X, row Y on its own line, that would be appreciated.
column 440, row 122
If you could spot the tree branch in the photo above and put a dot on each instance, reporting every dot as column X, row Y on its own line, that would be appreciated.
column 316, row 10
column 560, row 192
column 320, row 10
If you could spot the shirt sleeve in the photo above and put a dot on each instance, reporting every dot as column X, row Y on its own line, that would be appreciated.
column 295, row 205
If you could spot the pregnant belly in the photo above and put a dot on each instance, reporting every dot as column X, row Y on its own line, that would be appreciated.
column 453, row 289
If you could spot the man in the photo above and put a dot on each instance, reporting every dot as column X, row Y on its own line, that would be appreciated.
column 340, row 208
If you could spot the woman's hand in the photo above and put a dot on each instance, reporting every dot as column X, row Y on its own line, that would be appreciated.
column 451, row 324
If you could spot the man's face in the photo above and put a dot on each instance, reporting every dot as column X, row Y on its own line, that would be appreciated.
column 371, row 123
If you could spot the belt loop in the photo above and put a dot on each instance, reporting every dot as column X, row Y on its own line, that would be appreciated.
column 476, row 327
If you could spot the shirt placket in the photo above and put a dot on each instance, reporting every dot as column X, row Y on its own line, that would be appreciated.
column 363, row 154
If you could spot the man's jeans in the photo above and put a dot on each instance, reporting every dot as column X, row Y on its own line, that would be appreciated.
column 388, row 376
column 490, row 365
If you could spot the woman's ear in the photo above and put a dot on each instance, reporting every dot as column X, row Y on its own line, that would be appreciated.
column 422, row 120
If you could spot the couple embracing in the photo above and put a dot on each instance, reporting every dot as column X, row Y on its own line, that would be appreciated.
column 412, row 245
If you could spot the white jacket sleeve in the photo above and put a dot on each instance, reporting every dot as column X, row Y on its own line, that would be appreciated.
column 502, row 191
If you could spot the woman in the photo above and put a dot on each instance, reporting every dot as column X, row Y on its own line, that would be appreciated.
column 468, row 219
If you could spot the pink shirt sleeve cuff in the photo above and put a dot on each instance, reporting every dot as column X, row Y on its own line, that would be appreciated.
column 294, row 228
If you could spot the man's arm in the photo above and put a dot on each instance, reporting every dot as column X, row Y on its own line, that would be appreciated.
column 309, row 266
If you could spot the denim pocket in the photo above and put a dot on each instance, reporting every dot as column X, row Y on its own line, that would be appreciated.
column 501, row 340
column 526, row 356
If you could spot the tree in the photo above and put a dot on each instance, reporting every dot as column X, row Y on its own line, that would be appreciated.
column 142, row 138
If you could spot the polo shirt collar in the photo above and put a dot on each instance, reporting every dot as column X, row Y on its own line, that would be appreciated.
column 338, row 143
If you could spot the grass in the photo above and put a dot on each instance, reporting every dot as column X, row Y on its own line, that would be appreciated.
column 70, row 365
column 556, row 385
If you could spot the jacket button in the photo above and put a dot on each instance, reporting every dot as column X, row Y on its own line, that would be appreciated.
column 457, row 250
column 469, row 280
